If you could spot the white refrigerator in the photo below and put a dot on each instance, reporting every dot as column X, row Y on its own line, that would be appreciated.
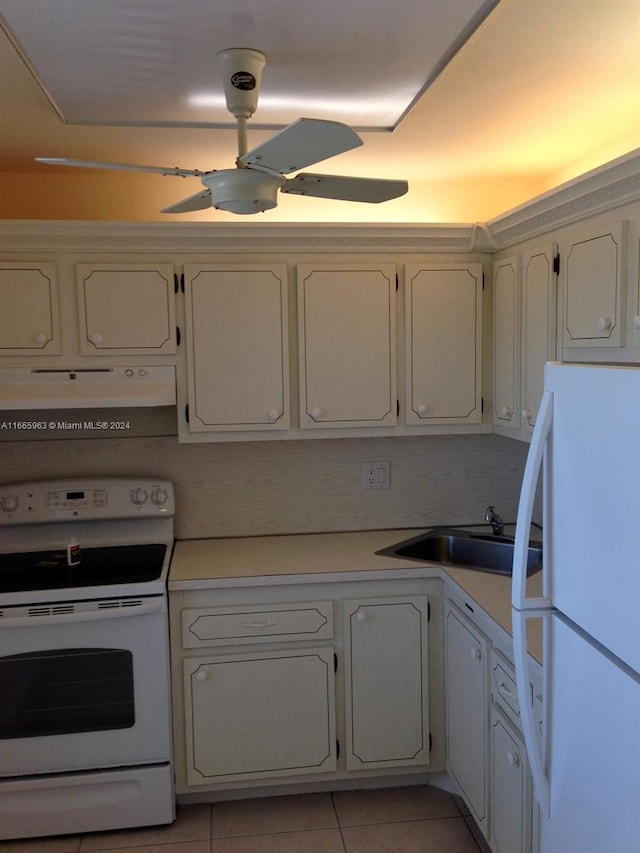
column 586, row 760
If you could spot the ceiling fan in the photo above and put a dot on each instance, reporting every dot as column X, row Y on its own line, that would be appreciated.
column 252, row 186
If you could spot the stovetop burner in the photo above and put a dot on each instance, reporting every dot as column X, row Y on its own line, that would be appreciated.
column 120, row 564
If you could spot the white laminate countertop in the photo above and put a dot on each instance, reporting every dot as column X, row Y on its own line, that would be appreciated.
column 319, row 557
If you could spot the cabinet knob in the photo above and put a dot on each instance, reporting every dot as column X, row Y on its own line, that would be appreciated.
column 361, row 616
column 316, row 414
column 506, row 412
column 513, row 759
column 273, row 415
column 476, row 654
column 201, row 675
column 422, row 410
column 636, row 321
column 96, row 338
column 526, row 414
column 604, row 324
column 41, row 338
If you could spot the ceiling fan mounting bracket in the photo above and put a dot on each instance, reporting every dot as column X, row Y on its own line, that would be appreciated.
column 241, row 76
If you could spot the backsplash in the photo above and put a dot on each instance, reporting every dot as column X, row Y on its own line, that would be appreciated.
column 263, row 488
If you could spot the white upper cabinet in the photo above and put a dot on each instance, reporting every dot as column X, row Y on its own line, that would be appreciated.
column 347, row 341
column 506, row 342
column 443, row 343
column 126, row 309
column 539, row 291
column 29, row 311
column 593, row 263
column 237, row 347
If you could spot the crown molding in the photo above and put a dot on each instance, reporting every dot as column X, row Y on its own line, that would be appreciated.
column 610, row 186
column 248, row 238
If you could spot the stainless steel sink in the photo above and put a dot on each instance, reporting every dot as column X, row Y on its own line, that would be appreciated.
column 453, row 547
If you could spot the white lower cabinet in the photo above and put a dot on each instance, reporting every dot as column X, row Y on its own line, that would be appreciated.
column 510, row 787
column 386, row 677
column 466, row 662
column 270, row 690
column 260, row 713
column 486, row 755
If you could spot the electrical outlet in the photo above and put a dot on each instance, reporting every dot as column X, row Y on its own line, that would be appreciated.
column 376, row 475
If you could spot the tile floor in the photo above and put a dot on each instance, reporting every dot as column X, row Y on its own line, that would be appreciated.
column 419, row 819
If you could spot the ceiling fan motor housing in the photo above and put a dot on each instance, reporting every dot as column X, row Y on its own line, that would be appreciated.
column 241, row 76
column 243, row 190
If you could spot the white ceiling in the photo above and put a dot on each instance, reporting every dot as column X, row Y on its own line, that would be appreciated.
column 541, row 87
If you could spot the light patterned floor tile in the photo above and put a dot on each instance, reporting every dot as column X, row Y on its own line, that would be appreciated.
column 59, row 844
column 313, row 841
column 203, row 846
column 440, row 835
column 389, row 805
column 273, row 814
column 193, row 823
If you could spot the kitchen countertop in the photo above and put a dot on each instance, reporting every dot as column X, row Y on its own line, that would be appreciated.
column 318, row 557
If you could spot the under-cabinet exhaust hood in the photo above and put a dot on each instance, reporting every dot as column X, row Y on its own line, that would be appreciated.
column 87, row 387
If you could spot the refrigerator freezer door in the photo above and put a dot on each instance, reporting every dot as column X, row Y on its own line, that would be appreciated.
column 593, row 748
column 592, row 518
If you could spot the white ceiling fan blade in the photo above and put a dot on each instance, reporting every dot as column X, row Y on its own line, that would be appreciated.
column 199, row 201
column 126, row 167
column 302, row 143
column 373, row 190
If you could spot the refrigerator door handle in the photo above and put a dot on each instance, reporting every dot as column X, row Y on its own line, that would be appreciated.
column 535, row 748
column 535, row 458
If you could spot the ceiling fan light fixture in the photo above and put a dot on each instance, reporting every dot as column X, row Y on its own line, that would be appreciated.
column 243, row 190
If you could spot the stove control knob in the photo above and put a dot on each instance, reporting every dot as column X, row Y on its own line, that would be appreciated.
column 139, row 496
column 9, row 503
column 159, row 496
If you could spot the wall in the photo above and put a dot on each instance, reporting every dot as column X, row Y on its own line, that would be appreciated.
column 258, row 488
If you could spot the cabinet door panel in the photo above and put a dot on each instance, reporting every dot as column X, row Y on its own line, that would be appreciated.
column 126, row 309
column 593, row 288
column 444, row 343
column 506, row 333
column 29, row 319
column 538, row 328
column 387, row 683
column 510, row 789
column 467, row 712
column 347, row 346
column 237, row 347
column 262, row 714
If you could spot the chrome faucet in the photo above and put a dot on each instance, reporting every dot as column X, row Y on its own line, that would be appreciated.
column 495, row 520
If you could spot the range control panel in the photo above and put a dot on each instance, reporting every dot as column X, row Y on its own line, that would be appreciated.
column 85, row 499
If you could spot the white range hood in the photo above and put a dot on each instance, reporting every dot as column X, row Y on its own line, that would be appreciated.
column 87, row 387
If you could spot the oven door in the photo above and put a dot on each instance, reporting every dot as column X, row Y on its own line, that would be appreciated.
column 85, row 685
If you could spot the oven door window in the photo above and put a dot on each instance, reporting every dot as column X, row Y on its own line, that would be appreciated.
column 66, row 691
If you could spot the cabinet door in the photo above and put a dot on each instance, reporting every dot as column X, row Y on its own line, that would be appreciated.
column 347, row 330
column 466, row 652
column 259, row 715
column 29, row 318
column 443, row 328
column 386, row 676
column 539, row 286
column 126, row 309
column 506, row 337
column 593, row 277
column 237, row 347
column 510, row 788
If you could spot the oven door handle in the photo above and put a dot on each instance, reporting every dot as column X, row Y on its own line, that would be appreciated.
column 66, row 618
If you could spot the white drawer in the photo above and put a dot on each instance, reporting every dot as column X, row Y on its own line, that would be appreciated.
column 227, row 626
column 504, row 692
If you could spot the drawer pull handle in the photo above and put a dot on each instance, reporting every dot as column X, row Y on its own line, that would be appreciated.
column 476, row 654
column 502, row 687
column 258, row 624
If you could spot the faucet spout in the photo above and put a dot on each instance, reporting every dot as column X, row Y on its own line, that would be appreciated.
column 495, row 520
